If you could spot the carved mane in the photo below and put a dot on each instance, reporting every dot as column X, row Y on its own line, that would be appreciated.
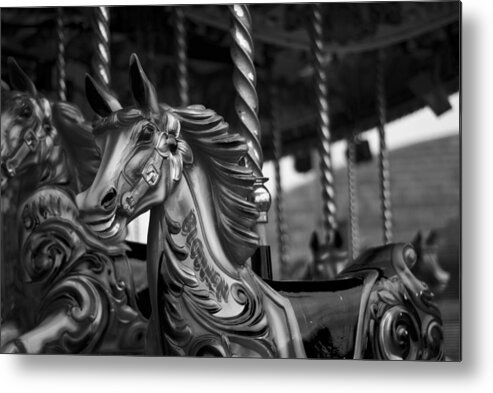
column 220, row 152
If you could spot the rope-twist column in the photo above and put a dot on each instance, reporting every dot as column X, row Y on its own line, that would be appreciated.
column 383, row 157
column 320, row 78
column 244, row 81
column 246, row 105
column 353, row 200
column 101, row 43
column 181, row 56
column 60, row 60
column 282, row 236
column 248, row 125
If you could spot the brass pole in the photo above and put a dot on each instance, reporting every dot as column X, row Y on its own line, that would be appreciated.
column 60, row 62
column 320, row 78
column 282, row 236
column 181, row 55
column 383, row 157
column 353, row 200
column 101, row 43
column 246, row 106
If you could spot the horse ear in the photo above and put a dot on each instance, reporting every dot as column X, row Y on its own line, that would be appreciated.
column 142, row 89
column 4, row 85
column 19, row 79
column 432, row 238
column 101, row 100
column 417, row 239
column 314, row 242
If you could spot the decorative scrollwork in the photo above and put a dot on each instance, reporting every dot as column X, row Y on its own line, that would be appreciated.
column 193, row 324
column 80, row 303
column 395, row 334
column 404, row 321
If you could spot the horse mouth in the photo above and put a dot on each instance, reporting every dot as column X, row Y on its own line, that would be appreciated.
column 108, row 228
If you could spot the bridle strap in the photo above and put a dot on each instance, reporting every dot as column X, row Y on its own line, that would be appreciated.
column 149, row 177
column 29, row 145
column 30, row 142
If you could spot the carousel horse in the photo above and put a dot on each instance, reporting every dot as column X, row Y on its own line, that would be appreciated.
column 43, row 142
column 184, row 165
column 428, row 268
column 32, row 155
column 328, row 260
column 48, row 155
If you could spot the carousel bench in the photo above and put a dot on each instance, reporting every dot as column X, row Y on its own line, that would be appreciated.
column 374, row 308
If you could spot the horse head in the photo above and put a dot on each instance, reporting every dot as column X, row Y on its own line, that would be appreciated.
column 427, row 267
column 27, row 131
column 328, row 259
column 143, row 156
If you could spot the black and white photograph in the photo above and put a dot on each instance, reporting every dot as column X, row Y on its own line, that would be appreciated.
column 232, row 180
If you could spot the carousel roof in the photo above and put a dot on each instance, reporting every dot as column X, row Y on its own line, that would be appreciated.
column 421, row 41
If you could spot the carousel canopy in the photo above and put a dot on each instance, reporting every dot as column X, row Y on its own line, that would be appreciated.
column 421, row 42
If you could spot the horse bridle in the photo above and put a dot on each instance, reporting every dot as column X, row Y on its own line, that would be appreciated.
column 151, row 172
column 29, row 144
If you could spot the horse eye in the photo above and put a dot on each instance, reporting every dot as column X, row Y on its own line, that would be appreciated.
column 26, row 111
column 47, row 127
column 172, row 144
column 146, row 134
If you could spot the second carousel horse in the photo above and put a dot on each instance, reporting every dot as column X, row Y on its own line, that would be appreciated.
column 48, row 155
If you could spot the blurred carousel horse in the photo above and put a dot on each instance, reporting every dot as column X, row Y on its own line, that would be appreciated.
column 48, row 154
column 428, row 268
column 328, row 260
column 43, row 142
column 183, row 164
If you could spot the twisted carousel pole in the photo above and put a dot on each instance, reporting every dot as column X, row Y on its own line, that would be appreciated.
column 353, row 199
column 244, row 81
column 320, row 77
column 383, row 157
column 282, row 236
column 246, row 106
column 101, row 44
column 60, row 61
column 181, row 55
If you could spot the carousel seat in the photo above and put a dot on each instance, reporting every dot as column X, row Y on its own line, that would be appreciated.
column 327, row 313
column 334, row 315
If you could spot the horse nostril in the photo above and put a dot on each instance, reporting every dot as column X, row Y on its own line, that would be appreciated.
column 109, row 200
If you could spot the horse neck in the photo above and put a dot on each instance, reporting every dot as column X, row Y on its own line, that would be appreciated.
column 192, row 202
column 204, row 293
